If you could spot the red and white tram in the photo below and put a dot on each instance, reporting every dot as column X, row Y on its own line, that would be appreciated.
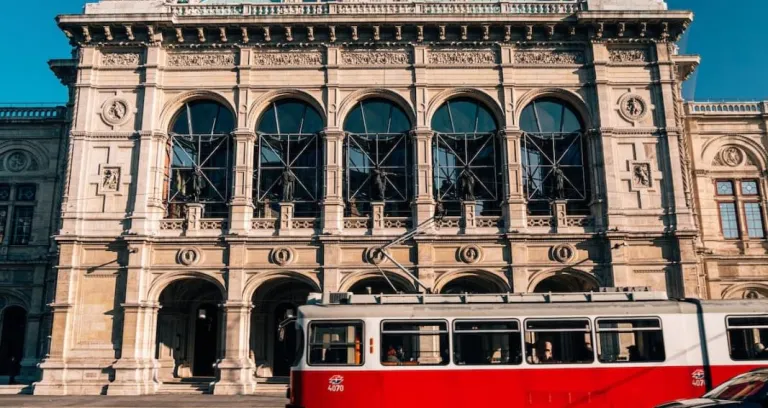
column 534, row 350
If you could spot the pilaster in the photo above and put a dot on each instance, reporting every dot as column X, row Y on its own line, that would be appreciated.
column 515, row 212
column 235, row 370
column 424, row 202
column 333, row 201
column 241, row 206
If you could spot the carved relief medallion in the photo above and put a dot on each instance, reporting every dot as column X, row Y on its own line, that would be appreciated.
column 283, row 256
column 641, row 175
column 189, row 256
column 633, row 107
column 375, row 255
column 731, row 156
column 110, row 179
column 563, row 253
column 116, row 111
column 17, row 161
column 470, row 254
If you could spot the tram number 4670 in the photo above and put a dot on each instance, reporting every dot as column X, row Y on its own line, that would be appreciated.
column 336, row 384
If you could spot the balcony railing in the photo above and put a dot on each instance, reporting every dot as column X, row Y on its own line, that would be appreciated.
column 379, row 7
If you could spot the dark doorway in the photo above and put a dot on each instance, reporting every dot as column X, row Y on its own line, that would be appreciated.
column 206, row 325
column 285, row 347
column 12, row 341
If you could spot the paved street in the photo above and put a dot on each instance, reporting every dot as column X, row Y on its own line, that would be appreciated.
column 164, row 401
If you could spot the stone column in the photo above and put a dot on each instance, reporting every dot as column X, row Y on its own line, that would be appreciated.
column 241, row 206
column 235, row 370
column 333, row 200
column 515, row 214
column 424, row 203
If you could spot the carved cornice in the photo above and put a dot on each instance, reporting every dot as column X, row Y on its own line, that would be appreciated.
column 461, row 57
column 549, row 57
column 287, row 58
column 375, row 57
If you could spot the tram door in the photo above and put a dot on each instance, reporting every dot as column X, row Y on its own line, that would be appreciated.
column 285, row 343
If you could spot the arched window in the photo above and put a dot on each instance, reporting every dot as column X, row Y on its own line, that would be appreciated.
column 466, row 157
column 288, row 158
column 199, row 159
column 554, row 157
column 378, row 159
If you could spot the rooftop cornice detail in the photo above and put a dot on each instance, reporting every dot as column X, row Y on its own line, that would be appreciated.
column 726, row 108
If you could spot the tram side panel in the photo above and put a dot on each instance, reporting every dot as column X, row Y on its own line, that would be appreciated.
column 734, row 339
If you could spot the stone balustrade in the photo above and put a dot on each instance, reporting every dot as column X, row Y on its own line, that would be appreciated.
column 32, row 113
column 726, row 108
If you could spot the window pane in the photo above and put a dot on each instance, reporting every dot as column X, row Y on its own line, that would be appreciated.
column 3, row 222
column 725, row 188
column 335, row 343
column 558, row 342
column 22, row 225
column 728, row 220
column 26, row 192
column 487, row 342
column 414, row 343
column 754, row 217
column 5, row 192
column 749, row 188
column 630, row 341
column 748, row 321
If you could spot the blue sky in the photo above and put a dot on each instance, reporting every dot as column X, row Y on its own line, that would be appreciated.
column 729, row 39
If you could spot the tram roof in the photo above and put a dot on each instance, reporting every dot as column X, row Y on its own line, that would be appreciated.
column 504, row 310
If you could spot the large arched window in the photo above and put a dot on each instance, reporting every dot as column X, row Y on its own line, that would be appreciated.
column 554, row 157
column 288, row 158
column 378, row 160
column 199, row 159
column 467, row 159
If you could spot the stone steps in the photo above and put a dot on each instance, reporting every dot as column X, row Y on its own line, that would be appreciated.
column 272, row 386
column 185, row 386
column 14, row 389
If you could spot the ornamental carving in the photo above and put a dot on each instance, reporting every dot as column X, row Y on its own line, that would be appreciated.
column 632, row 107
column 120, row 59
column 116, row 111
column 283, row 256
column 730, row 156
column 375, row 256
column 633, row 55
column 563, row 253
column 208, row 59
column 470, row 254
column 189, row 256
column 641, row 175
column 288, row 59
column 456, row 57
column 110, row 179
column 375, row 57
column 549, row 57
column 17, row 161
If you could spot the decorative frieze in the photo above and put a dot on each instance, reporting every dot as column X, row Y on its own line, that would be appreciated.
column 120, row 59
column 201, row 59
column 460, row 57
column 287, row 58
column 628, row 55
column 375, row 57
column 549, row 57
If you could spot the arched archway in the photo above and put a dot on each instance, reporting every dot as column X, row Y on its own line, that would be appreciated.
column 365, row 282
column 471, row 282
column 272, row 300
column 567, row 281
column 14, row 324
column 188, row 338
column 746, row 291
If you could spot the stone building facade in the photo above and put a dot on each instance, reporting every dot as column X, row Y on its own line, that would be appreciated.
column 33, row 142
column 228, row 158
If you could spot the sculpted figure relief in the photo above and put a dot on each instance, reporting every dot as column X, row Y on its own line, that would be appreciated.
column 288, row 180
column 467, row 184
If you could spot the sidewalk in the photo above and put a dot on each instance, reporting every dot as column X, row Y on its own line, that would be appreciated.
column 145, row 401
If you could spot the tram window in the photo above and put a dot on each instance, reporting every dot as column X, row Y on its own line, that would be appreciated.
column 414, row 343
column 630, row 340
column 487, row 342
column 748, row 337
column 335, row 343
column 558, row 342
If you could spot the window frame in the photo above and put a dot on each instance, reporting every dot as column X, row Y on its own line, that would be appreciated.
column 447, row 332
column 346, row 321
column 454, row 332
column 598, row 331
column 590, row 330
column 12, row 205
column 728, row 337
column 740, row 201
